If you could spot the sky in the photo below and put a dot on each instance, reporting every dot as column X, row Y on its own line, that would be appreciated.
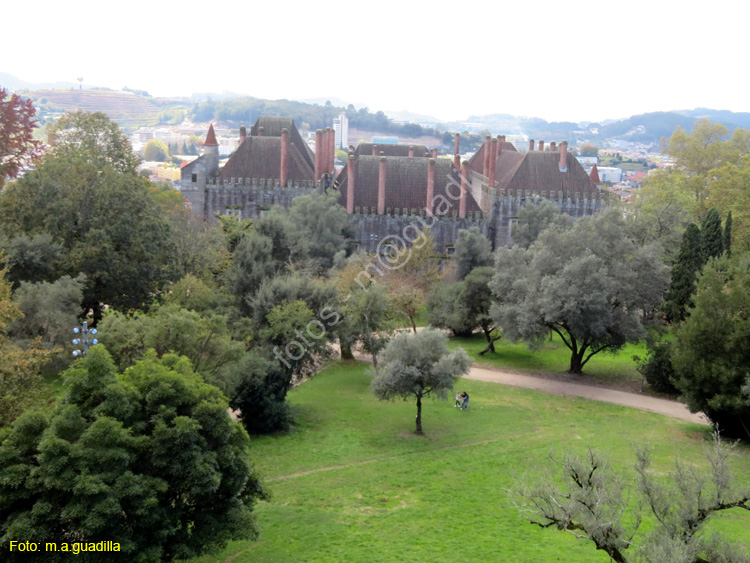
column 560, row 61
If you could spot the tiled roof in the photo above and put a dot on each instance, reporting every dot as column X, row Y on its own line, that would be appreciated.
column 260, row 157
column 476, row 162
column 365, row 149
column 211, row 137
column 406, row 183
column 540, row 171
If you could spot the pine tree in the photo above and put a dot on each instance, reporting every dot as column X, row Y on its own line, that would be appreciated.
column 728, row 235
column 689, row 261
column 712, row 238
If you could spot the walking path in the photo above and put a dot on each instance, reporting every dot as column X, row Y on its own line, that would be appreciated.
column 568, row 389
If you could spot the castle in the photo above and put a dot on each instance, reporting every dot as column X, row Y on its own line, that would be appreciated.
column 386, row 189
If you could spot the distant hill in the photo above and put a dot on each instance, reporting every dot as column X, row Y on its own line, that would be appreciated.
column 10, row 82
column 729, row 118
column 127, row 109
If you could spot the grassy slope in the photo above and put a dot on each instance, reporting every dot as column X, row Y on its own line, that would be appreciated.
column 376, row 492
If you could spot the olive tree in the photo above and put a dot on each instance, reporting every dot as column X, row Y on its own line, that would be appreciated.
column 418, row 365
column 589, row 283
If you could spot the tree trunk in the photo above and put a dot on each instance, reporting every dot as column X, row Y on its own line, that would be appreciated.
column 413, row 325
column 346, row 351
column 419, row 414
column 490, row 342
column 576, row 362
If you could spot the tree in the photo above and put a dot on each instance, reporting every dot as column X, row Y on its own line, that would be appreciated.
column 19, row 369
column 592, row 501
column 679, row 297
column 712, row 237
column 105, row 220
column 728, row 235
column 533, row 219
column 50, row 310
column 589, row 150
column 472, row 250
column 149, row 459
column 17, row 145
column 31, row 258
column 418, row 365
column 95, row 136
column 463, row 306
column 156, row 151
column 588, row 284
column 710, row 353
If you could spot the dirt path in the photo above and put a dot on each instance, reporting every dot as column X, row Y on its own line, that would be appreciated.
column 569, row 389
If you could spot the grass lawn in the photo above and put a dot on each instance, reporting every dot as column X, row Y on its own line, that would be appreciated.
column 353, row 483
column 554, row 356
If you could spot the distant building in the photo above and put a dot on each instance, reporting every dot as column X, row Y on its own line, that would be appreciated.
column 341, row 128
column 610, row 174
column 383, row 140
column 587, row 161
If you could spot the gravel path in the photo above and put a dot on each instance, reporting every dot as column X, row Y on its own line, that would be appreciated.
column 567, row 389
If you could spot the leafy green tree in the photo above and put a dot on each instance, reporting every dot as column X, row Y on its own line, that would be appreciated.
column 712, row 237
column 588, row 283
column 149, row 459
column 259, row 395
column 50, row 310
column 710, row 356
column 31, row 258
column 679, row 297
column 96, row 137
column 657, row 368
column 463, row 306
column 594, row 502
column 108, row 226
column 156, row 151
column 323, row 223
column 533, row 219
column 20, row 367
column 728, row 235
column 417, row 366
column 472, row 250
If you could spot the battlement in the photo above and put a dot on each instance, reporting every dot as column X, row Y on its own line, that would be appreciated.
column 216, row 182
column 414, row 213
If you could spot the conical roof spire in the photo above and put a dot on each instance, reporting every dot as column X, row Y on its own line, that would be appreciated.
column 211, row 137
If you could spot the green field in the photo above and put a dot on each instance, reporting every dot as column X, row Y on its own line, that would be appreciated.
column 353, row 483
column 619, row 369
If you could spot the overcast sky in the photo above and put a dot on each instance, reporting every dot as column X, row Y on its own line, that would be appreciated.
column 572, row 61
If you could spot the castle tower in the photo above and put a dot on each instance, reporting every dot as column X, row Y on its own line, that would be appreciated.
column 211, row 153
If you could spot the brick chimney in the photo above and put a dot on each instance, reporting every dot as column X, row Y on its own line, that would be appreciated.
column 531, row 145
column 350, row 185
column 457, row 143
column 457, row 162
column 430, row 185
column 564, row 156
column 318, row 154
column 541, row 146
column 243, row 134
column 284, row 173
column 553, row 146
column 411, row 151
column 374, row 150
column 499, row 146
column 464, row 189
column 381, row 186
column 261, row 130
column 493, row 158
column 486, row 167
column 433, row 153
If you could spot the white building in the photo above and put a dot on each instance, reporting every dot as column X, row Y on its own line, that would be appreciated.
column 341, row 128
column 610, row 174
